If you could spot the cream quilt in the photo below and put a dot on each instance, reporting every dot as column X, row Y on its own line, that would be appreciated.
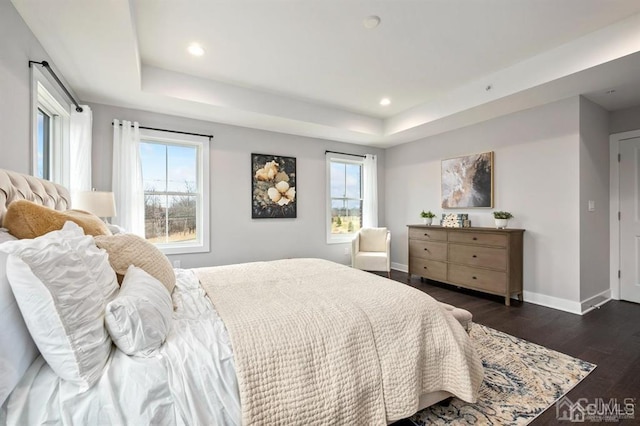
column 318, row 343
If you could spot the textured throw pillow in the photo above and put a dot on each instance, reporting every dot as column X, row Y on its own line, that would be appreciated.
column 129, row 249
column 139, row 318
column 373, row 239
column 25, row 219
column 62, row 283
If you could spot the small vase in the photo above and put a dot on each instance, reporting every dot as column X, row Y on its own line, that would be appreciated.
column 501, row 223
column 427, row 220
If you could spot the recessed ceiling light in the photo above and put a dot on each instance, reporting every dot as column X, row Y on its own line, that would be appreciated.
column 385, row 101
column 371, row 22
column 195, row 49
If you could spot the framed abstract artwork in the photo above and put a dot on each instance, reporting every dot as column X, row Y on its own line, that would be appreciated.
column 273, row 188
column 468, row 181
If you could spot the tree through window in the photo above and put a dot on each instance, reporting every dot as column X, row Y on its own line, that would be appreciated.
column 345, row 198
column 171, row 192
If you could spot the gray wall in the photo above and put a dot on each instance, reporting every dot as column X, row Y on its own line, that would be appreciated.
column 536, row 177
column 18, row 45
column 624, row 120
column 235, row 237
column 594, row 186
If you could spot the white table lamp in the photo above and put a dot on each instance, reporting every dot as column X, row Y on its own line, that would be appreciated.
column 100, row 203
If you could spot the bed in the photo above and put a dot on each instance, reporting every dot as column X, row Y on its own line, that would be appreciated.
column 292, row 341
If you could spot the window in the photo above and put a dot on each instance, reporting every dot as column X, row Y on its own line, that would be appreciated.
column 345, row 197
column 43, row 140
column 50, row 159
column 175, row 179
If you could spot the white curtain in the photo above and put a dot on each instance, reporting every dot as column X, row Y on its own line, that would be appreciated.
column 370, row 203
column 127, row 177
column 80, row 129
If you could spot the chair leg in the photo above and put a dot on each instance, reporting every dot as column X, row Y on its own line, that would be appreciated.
column 389, row 274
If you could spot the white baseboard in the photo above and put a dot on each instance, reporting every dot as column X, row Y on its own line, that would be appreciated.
column 553, row 302
column 578, row 308
column 595, row 301
column 399, row 267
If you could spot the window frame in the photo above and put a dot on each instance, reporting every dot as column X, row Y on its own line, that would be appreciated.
column 346, row 159
column 46, row 144
column 47, row 98
column 202, row 243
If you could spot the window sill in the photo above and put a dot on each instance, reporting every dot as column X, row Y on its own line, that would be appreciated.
column 169, row 249
column 347, row 238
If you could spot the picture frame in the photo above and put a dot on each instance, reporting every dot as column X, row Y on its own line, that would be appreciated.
column 273, row 187
column 467, row 181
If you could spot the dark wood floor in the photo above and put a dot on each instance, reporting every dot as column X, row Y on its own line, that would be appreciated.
column 608, row 337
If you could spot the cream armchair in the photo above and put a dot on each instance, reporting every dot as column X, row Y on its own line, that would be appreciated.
column 371, row 250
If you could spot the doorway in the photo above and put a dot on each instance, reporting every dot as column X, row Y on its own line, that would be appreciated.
column 625, row 221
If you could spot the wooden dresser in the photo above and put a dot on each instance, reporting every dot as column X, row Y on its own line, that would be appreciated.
column 483, row 259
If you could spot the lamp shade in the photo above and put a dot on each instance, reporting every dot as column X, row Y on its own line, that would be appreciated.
column 100, row 203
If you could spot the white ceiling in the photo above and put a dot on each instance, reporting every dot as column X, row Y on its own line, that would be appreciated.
column 310, row 67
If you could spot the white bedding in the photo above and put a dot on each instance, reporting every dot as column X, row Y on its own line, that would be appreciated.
column 190, row 380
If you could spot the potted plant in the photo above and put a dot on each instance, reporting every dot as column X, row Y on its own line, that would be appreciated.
column 427, row 217
column 502, row 218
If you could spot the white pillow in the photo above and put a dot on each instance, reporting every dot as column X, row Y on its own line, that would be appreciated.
column 17, row 349
column 139, row 318
column 6, row 236
column 62, row 283
column 115, row 229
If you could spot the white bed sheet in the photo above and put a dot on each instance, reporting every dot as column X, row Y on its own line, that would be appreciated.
column 190, row 380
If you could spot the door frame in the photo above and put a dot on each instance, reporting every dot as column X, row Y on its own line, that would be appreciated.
column 614, row 208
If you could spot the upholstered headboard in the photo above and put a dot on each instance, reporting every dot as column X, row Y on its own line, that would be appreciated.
column 17, row 186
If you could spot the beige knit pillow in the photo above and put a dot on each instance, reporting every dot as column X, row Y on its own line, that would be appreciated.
column 129, row 249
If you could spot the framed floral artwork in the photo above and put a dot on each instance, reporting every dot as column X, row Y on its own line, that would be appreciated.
column 273, row 189
column 468, row 181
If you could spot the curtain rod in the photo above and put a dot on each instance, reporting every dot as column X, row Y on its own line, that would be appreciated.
column 46, row 65
column 172, row 131
column 344, row 153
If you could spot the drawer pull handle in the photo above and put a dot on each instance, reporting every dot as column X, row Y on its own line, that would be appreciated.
column 425, row 267
column 474, row 256
column 426, row 249
column 475, row 238
column 426, row 235
column 474, row 277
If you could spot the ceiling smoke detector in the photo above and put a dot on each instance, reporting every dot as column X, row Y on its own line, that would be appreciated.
column 371, row 22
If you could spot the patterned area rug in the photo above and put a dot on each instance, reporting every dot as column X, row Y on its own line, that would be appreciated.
column 521, row 381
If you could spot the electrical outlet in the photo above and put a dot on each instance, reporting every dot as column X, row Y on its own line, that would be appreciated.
column 347, row 252
column 591, row 206
column 176, row 263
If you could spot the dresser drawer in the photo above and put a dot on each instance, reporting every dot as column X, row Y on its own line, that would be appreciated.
column 427, row 234
column 480, row 279
column 428, row 249
column 499, row 240
column 488, row 257
column 428, row 268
